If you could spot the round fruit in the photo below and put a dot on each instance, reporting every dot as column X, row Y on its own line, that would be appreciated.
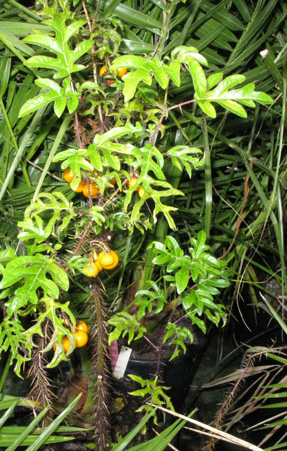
column 109, row 81
column 121, row 72
column 105, row 259
column 103, row 70
column 68, row 176
column 98, row 265
column 66, row 344
column 93, row 269
column 81, row 338
column 81, row 325
column 108, row 260
column 141, row 192
column 132, row 182
column 79, row 188
column 93, row 191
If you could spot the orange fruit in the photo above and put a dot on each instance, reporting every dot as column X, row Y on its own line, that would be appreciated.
column 108, row 260
column 93, row 269
column 103, row 70
column 93, row 191
column 66, row 344
column 68, row 176
column 81, row 325
column 81, row 338
column 132, row 182
column 121, row 72
column 79, row 188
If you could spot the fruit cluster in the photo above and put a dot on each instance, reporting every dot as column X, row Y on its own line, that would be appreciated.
column 105, row 260
column 82, row 186
column 80, row 335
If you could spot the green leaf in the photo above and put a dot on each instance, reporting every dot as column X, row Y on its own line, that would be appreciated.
column 64, row 63
column 231, row 99
column 233, row 107
column 132, row 79
column 56, row 313
column 173, row 71
column 182, row 279
column 31, row 271
column 186, row 157
column 12, row 338
column 149, row 159
column 55, row 95
column 207, row 108
column 198, row 76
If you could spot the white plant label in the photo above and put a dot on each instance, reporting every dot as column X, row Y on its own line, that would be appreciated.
column 122, row 362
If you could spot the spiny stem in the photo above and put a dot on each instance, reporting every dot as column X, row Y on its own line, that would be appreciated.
column 99, row 361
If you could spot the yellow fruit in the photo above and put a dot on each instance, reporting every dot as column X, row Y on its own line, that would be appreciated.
column 93, row 269
column 68, row 176
column 66, row 344
column 141, row 192
column 103, row 70
column 99, row 266
column 79, row 188
column 81, row 338
column 121, row 72
column 108, row 260
column 132, row 182
column 81, row 325
column 93, row 191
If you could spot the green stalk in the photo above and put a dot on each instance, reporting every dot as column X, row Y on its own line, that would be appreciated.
column 16, row 52
column 5, row 372
column 165, row 29
column 55, row 146
column 276, row 194
column 36, row 119
column 208, row 182
column 14, row 141
column 24, row 9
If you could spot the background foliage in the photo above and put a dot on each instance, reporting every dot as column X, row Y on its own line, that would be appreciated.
column 237, row 196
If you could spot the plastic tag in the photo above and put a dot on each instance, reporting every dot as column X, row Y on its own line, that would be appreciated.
column 122, row 362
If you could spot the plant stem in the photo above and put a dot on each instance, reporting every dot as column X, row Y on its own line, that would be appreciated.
column 54, row 149
column 165, row 30
column 37, row 118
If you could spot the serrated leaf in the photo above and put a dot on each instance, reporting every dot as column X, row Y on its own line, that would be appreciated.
column 66, row 57
column 149, row 159
column 31, row 271
column 159, row 74
column 60, row 105
column 186, row 157
column 38, row 102
column 232, row 99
